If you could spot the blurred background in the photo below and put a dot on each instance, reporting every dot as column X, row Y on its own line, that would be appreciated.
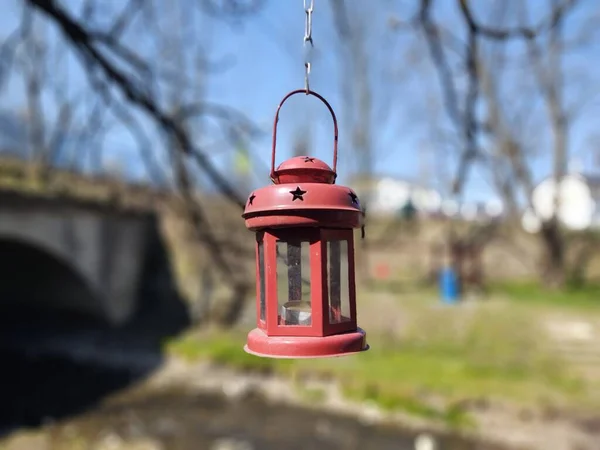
column 132, row 133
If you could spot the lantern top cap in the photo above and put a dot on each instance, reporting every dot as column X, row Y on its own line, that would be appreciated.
column 304, row 169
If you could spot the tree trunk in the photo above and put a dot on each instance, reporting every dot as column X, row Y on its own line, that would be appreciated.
column 553, row 266
column 363, row 271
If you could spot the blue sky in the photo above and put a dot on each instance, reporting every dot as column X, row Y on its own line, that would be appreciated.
column 265, row 58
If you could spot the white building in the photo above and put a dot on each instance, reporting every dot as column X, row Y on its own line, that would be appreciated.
column 578, row 203
column 386, row 196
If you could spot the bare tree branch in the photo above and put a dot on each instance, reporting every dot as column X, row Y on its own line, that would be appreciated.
column 469, row 127
column 230, row 8
column 522, row 32
column 33, row 65
column 60, row 129
column 125, row 18
column 438, row 57
column 507, row 148
column 83, row 43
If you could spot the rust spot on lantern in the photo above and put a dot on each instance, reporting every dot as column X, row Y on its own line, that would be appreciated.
column 305, row 289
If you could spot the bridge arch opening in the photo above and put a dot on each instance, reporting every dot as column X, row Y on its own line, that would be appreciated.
column 35, row 282
column 59, row 355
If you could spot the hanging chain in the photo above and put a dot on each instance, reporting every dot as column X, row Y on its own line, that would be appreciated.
column 308, row 41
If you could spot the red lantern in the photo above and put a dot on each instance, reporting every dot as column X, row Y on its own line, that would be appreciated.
column 306, row 297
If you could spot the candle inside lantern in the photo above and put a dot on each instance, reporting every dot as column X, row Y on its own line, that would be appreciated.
column 296, row 313
column 293, row 273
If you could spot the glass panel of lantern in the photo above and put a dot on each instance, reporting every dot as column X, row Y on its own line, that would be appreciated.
column 339, row 282
column 293, row 283
column 261, row 275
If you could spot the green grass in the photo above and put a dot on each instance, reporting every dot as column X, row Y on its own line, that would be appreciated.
column 310, row 394
column 225, row 348
column 441, row 359
column 429, row 360
column 571, row 297
column 528, row 293
column 452, row 414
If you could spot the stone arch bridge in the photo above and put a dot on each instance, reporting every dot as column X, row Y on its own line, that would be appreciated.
column 97, row 246
column 78, row 256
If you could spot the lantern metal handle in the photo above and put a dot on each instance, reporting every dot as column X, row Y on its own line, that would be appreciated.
column 335, row 127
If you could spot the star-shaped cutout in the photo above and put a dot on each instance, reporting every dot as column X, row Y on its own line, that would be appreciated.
column 309, row 159
column 251, row 198
column 298, row 193
column 353, row 197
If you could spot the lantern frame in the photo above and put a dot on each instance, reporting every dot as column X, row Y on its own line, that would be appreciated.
column 319, row 278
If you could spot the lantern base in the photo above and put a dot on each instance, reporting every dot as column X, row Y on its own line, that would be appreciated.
column 296, row 347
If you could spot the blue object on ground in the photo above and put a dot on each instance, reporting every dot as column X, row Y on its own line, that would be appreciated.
column 449, row 285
